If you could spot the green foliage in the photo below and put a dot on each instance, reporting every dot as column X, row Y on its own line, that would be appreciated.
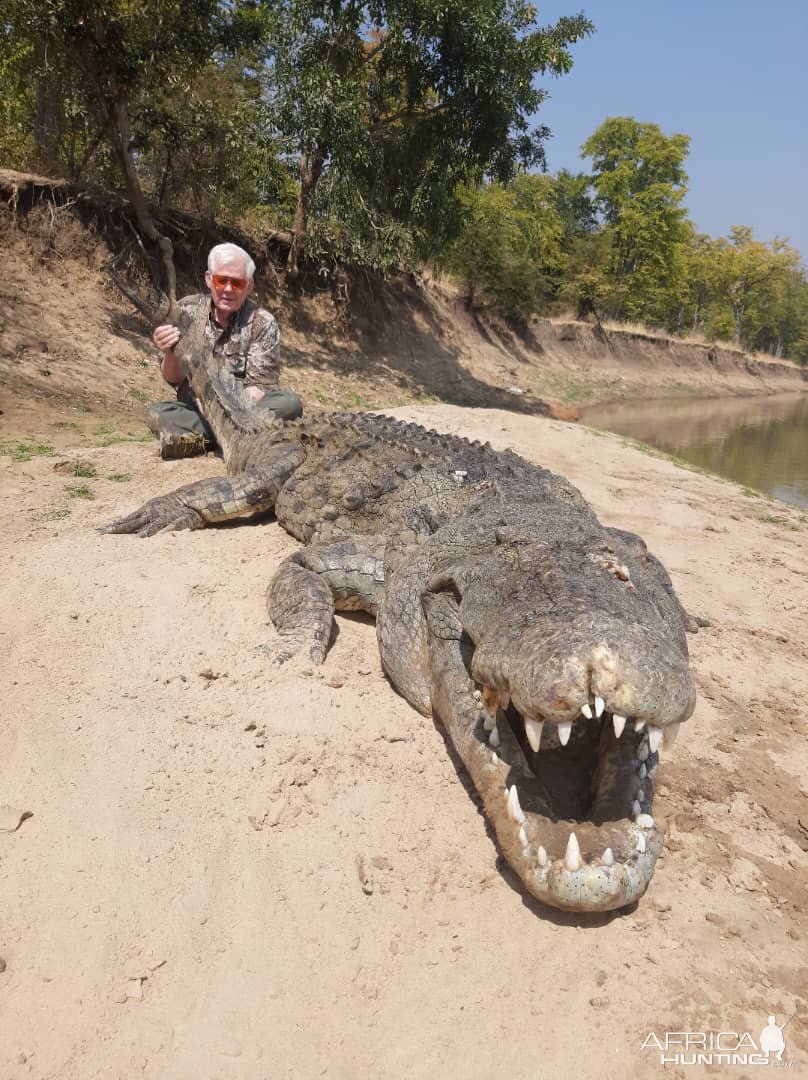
column 346, row 229
column 26, row 449
column 639, row 183
column 17, row 99
column 84, row 469
column 80, row 491
column 381, row 133
column 574, row 203
column 509, row 249
column 589, row 283
column 70, row 65
column 403, row 100
column 206, row 143
column 748, row 292
column 619, row 244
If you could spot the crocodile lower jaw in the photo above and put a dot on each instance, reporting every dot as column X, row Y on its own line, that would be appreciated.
column 572, row 848
column 574, row 857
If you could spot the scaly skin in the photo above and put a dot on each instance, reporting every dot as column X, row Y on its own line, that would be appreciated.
column 552, row 649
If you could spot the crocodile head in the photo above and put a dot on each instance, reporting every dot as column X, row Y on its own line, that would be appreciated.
column 558, row 666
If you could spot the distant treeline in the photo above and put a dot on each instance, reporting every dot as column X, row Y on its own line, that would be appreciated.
column 386, row 135
column 616, row 242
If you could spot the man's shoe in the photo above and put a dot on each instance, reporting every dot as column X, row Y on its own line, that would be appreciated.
column 181, row 444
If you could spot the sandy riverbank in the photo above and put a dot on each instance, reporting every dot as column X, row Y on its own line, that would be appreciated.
column 184, row 901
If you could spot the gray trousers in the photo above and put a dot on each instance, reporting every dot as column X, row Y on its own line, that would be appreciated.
column 179, row 418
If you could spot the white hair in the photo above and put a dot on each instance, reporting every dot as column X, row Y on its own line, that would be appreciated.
column 230, row 251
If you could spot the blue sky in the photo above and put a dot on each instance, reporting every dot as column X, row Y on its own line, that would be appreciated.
column 731, row 74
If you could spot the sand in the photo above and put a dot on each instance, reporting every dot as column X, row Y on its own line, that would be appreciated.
column 237, row 870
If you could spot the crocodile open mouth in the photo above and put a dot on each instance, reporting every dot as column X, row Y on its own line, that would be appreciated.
column 571, row 802
column 579, row 795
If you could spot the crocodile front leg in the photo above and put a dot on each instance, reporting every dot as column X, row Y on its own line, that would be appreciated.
column 210, row 501
column 312, row 583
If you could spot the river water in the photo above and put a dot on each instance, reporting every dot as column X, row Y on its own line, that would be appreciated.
column 761, row 442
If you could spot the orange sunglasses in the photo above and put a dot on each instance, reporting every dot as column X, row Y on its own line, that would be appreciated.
column 221, row 281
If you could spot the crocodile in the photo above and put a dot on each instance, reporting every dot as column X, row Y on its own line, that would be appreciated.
column 550, row 649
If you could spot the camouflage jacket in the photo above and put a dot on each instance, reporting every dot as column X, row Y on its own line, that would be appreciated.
column 249, row 347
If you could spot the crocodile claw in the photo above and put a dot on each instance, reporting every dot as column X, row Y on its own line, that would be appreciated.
column 161, row 515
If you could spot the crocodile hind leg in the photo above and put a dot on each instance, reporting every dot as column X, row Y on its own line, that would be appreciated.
column 347, row 576
column 210, row 501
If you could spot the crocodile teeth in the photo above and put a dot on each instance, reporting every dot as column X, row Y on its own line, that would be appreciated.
column 641, row 844
column 619, row 725
column 643, row 751
column 504, row 700
column 541, row 855
column 514, row 809
column 572, row 856
column 643, row 772
column 669, row 735
column 587, row 711
column 654, row 738
column 607, row 858
column 533, row 732
column 645, row 821
column 636, row 809
column 494, row 758
column 490, row 721
column 639, row 725
column 522, row 836
column 600, row 705
column 493, row 738
column 564, row 732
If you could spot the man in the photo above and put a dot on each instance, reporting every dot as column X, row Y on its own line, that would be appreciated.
column 246, row 339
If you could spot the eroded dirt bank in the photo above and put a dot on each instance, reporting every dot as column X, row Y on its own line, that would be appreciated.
column 74, row 352
column 185, row 900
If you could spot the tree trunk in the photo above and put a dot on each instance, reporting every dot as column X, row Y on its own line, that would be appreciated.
column 310, row 169
column 737, row 314
column 120, row 135
column 167, row 170
column 46, row 129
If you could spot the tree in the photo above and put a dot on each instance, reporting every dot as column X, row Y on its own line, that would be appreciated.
column 406, row 99
column 750, row 274
column 17, row 99
column 639, row 184
column 783, row 329
column 572, row 195
column 508, row 252
column 104, row 54
column 210, row 147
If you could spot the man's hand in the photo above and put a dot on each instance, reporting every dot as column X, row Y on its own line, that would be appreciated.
column 166, row 337
column 254, row 392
